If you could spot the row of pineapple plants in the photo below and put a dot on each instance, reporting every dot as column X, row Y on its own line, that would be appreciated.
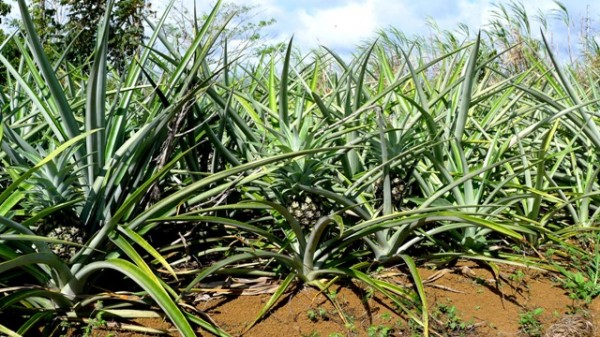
column 299, row 166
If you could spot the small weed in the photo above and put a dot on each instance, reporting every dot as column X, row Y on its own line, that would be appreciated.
column 316, row 315
column 517, row 278
column 450, row 319
column 386, row 316
column 582, row 279
column 414, row 329
column 580, row 287
column 479, row 281
column 312, row 315
column 350, row 326
column 369, row 293
column 64, row 326
column 530, row 324
column 94, row 323
column 379, row 331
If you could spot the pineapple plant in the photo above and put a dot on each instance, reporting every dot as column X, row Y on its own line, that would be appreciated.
column 295, row 184
column 396, row 148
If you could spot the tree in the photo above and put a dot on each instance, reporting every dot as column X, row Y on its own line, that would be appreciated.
column 77, row 29
column 126, row 28
column 244, row 31
column 8, row 49
column 4, row 9
column 45, row 18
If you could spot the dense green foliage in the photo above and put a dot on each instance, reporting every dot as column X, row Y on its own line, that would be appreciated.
column 125, row 34
column 4, row 9
column 180, row 166
column 72, row 25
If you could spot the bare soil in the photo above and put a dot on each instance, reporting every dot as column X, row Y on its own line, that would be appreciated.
column 463, row 301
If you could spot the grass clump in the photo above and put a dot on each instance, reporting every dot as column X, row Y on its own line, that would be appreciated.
column 530, row 324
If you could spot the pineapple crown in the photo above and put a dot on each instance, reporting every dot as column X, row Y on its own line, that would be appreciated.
column 47, row 192
column 290, row 178
column 52, row 184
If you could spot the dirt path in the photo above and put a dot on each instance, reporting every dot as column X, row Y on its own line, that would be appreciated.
column 464, row 301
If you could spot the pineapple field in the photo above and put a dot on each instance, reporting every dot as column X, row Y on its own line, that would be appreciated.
column 412, row 177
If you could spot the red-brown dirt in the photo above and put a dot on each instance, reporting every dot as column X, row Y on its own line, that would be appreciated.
column 467, row 297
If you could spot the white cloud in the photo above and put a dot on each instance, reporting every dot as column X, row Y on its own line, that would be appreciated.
column 342, row 24
column 337, row 27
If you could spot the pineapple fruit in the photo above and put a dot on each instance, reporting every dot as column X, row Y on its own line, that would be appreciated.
column 65, row 233
column 398, row 190
column 306, row 209
column 63, row 225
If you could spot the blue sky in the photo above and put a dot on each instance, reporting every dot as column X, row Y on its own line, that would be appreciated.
column 342, row 24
